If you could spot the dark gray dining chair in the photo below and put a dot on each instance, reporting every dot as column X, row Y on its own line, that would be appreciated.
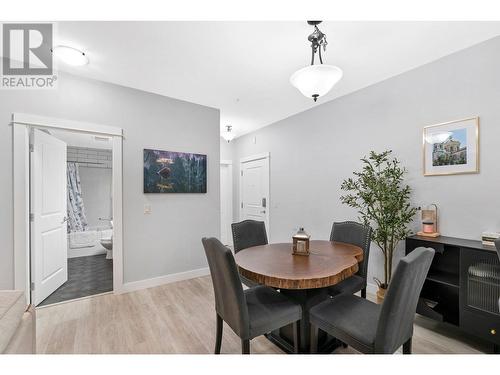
column 497, row 245
column 359, row 235
column 251, row 312
column 248, row 233
column 372, row 328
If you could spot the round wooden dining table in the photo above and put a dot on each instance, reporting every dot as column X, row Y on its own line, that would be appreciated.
column 304, row 279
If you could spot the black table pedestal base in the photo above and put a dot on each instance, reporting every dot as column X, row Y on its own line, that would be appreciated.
column 283, row 337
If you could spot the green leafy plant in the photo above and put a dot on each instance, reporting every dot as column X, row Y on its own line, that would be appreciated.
column 382, row 199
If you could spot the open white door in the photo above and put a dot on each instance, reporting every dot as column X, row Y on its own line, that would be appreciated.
column 254, row 189
column 49, row 249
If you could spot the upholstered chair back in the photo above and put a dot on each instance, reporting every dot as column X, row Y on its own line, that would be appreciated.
column 355, row 234
column 395, row 324
column 248, row 233
column 230, row 303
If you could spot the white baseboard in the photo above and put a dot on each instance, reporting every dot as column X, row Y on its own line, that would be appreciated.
column 371, row 288
column 161, row 280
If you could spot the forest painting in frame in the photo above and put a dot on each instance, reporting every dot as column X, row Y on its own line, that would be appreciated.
column 174, row 172
column 451, row 147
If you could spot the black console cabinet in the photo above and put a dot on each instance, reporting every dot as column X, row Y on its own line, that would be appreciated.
column 463, row 286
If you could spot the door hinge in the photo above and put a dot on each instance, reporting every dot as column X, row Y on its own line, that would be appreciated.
column 32, row 286
column 242, row 173
column 32, row 217
column 32, row 147
column 241, row 204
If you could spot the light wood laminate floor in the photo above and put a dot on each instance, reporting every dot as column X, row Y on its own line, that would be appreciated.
column 180, row 318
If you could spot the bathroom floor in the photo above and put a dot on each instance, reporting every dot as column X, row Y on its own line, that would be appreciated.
column 86, row 276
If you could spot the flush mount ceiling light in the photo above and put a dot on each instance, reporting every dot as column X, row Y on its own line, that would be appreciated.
column 228, row 135
column 314, row 81
column 70, row 55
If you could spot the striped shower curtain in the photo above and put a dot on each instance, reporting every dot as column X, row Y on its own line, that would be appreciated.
column 77, row 221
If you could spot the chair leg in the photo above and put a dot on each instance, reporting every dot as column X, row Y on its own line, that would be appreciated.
column 407, row 347
column 296, row 337
column 245, row 346
column 314, row 339
column 363, row 293
column 218, row 334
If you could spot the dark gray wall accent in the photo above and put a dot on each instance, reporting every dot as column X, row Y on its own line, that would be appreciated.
column 168, row 240
column 313, row 151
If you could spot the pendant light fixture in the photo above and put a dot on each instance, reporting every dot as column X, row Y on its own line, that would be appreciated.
column 228, row 135
column 317, row 80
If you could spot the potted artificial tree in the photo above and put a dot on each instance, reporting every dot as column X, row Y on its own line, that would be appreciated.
column 382, row 199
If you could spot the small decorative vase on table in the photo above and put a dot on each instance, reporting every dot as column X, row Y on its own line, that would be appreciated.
column 301, row 242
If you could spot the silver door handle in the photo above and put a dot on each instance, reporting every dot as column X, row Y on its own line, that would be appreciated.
column 65, row 219
column 263, row 212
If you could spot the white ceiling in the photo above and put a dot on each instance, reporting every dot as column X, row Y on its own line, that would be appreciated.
column 243, row 68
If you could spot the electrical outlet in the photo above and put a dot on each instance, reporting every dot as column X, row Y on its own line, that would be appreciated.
column 147, row 209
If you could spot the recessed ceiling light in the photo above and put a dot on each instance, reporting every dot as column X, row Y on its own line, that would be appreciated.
column 70, row 55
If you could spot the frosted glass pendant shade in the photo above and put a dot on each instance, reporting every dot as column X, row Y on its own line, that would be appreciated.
column 228, row 136
column 314, row 81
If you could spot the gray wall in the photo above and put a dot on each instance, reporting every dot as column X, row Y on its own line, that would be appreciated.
column 166, row 241
column 312, row 152
column 226, row 150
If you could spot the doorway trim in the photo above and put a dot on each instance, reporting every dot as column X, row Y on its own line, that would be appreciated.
column 229, row 165
column 21, row 126
column 246, row 159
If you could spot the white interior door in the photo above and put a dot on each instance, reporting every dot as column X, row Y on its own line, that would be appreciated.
column 49, row 251
column 254, row 189
column 226, row 203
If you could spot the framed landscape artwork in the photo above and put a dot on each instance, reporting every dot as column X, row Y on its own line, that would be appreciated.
column 174, row 172
column 451, row 147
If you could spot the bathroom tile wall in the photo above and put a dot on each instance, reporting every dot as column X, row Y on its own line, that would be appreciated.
column 90, row 157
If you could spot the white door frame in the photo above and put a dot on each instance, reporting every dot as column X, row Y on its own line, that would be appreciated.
column 21, row 125
column 229, row 164
column 264, row 155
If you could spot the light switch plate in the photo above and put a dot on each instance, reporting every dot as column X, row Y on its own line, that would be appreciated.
column 147, row 209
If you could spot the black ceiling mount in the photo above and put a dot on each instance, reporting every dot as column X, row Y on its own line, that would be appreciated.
column 318, row 40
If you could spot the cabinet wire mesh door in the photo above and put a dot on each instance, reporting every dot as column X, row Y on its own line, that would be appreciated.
column 483, row 285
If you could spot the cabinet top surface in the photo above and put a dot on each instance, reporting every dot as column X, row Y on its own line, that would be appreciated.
column 453, row 241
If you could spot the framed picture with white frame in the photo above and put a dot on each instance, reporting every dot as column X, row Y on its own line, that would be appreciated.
column 451, row 147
